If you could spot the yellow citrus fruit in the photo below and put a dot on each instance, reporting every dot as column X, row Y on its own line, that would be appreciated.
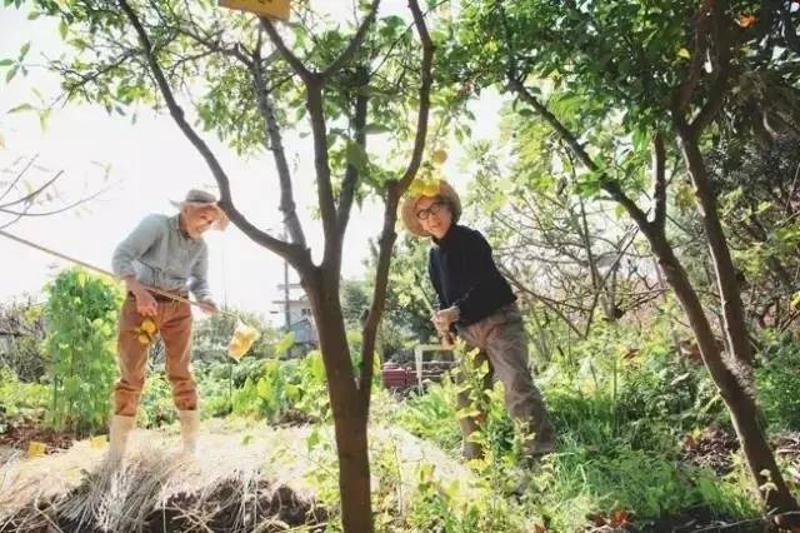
column 143, row 338
column 439, row 157
column 431, row 189
column 148, row 326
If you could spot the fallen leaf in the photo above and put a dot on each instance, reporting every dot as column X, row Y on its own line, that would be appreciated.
column 619, row 518
column 746, row 21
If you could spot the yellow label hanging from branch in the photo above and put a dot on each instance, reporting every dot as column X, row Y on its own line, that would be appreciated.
column 276, row 9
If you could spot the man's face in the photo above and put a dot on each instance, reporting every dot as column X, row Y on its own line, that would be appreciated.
column 434, row 215
column 199, row 219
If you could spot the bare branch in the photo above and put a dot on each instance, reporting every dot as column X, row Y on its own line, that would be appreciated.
column 20, row 175
column 32, row 195
column 547, row 302
column 73, row 205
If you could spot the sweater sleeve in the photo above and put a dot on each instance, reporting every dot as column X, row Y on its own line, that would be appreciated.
column 433, row 273
column 135, row 245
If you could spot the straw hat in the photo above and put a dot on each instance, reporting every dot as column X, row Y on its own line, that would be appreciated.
column 198, row 198
column 408, row 211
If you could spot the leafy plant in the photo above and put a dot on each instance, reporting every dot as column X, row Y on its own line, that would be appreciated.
column 778, row 386
column 81, row 314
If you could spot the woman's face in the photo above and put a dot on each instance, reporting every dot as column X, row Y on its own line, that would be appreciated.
column 434, row 215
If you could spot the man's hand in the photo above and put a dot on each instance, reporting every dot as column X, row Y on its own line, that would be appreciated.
column 145, row 303
column 208, row 307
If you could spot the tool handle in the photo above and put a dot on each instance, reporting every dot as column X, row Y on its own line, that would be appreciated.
column 103, row 271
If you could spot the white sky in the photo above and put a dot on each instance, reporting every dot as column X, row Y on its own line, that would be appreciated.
column 151, row 162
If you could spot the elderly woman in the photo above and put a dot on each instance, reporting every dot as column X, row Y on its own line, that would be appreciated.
column 476, row 299
column 167, row 253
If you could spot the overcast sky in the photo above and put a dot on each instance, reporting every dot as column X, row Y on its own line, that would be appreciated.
column 151, row 163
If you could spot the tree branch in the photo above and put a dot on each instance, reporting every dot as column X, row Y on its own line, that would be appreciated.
column 571, row 140
column 424, row 98
column 609, row 185
column 297, row 256
column 394, row 192
column 722, row 53
column 306, row 75
column 659, row 173
column 789, row 31
column 33, row 194
column 355, row 43
column 351, row 176
column 20, row 175
column 275, row 145
column 683, row 96
column 73, row 205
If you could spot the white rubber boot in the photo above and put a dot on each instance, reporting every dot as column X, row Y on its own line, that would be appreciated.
column 121, row 427
column 190, row 427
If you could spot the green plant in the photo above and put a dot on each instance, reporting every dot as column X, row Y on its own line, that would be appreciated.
column 20, row 400
column 23, row 351
column 778, row 386
column 155, row 405
column 432, row 415
column 81, row 315
column 283, row 387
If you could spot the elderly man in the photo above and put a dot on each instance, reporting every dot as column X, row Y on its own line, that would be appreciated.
column 476, row 301
column 167, row 253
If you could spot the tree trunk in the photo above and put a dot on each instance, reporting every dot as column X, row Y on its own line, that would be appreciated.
column 735, row 393
column 349, row 411
column 730, row 295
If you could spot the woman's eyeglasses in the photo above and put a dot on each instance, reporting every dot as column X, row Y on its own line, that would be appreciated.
column 434, row 208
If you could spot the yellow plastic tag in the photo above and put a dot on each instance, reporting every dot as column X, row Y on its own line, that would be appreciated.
column 278, row 9
column 243, row 338
column 36, row 449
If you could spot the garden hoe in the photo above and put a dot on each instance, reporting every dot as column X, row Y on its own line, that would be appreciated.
column 243, row 335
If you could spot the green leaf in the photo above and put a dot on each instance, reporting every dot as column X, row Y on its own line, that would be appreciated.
column 684, row 53
column 11, row 74
column 6, row 62
column 44, row 118
column 376, row 128
column 20, row 108
column 313, row 439
column 24, row 50
column 62, row 29
column 356, row 156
